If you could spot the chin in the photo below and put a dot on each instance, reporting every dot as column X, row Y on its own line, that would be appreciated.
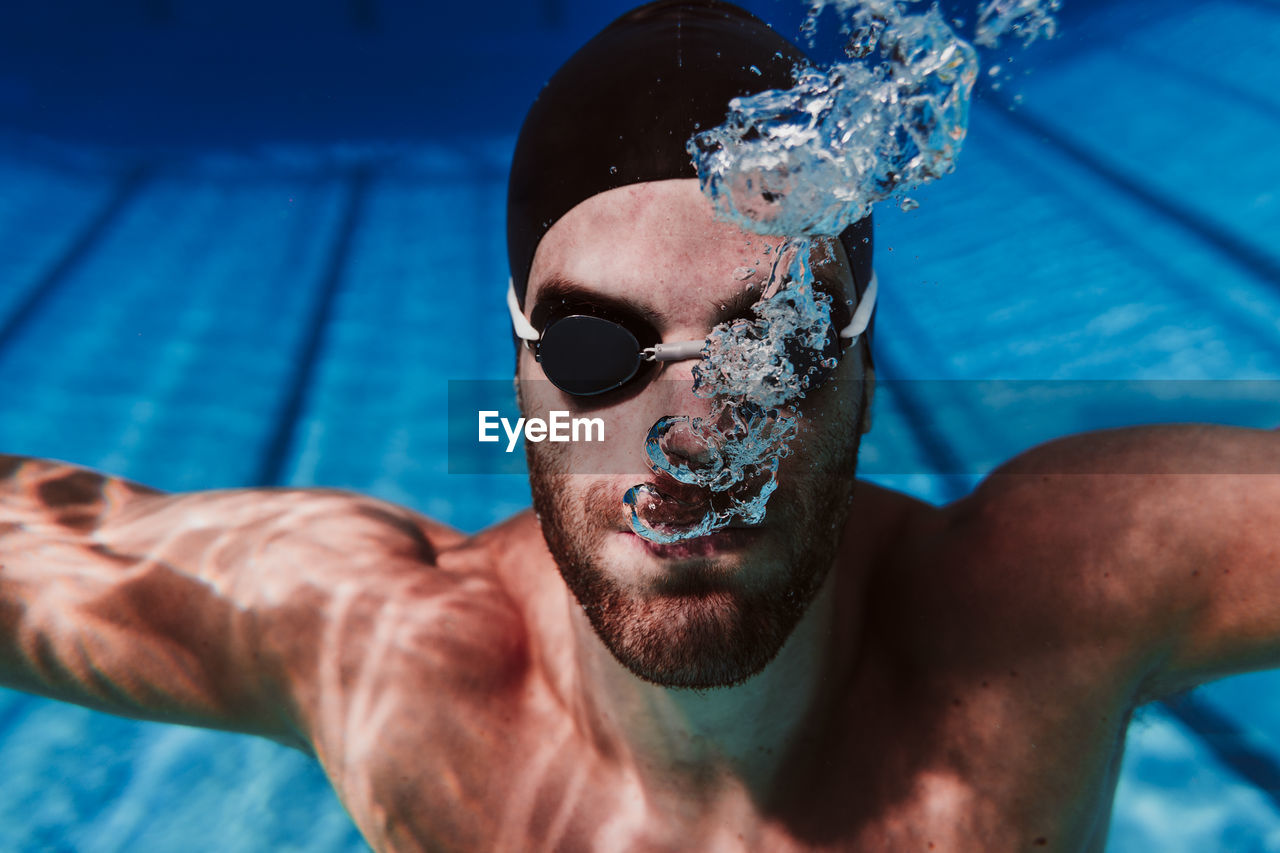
column 697, row 621
column 713, row 636
column 711, row 612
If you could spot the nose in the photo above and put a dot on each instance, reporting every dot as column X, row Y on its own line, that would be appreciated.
column 683, row 443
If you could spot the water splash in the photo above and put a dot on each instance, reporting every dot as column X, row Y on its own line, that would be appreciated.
column 808, row 161
column 1030, row 19
column 815, row 157
column 725, row 466
column 775, row 358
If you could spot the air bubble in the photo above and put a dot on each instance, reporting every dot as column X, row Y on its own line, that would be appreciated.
column 815, row 157
column 807, row 161
column 1030, row 19
column 749, row 369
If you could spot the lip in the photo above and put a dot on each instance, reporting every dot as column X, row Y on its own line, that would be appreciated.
column 726, row 541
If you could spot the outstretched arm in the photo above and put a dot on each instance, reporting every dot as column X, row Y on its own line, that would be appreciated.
column 1222, row 532
column 1181, row 525
column 178, row 608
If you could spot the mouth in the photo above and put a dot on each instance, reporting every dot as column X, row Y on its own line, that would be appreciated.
column 670, row 507
column 728, row 540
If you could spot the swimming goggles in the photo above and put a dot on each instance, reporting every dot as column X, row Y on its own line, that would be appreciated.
column 586, row 352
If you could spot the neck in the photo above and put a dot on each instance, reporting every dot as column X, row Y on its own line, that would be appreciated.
column 696, row 745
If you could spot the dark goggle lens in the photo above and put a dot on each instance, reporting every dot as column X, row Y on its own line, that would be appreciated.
column 585, row 355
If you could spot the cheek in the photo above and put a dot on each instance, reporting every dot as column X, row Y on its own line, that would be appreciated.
column 610, row 440
column 829, row 429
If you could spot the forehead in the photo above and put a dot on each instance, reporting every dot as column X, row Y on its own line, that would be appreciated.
column 659, row 238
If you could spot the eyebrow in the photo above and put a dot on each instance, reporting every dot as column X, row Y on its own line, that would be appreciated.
column 739, row 305
column 558, row 288
column 825, row 280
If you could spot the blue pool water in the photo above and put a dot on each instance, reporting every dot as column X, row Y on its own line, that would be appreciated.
column 218, row 311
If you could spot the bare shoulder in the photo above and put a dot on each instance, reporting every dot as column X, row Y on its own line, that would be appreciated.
column 280, row 612
column 344, row 590
column 370, row 604
column 1060, row 558
column 1165, row 541
column 352, row 563
column 224, row 608
column 1083, row 522
column 1102, row 508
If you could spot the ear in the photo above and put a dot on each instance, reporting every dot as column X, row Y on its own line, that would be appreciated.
column 868, row 392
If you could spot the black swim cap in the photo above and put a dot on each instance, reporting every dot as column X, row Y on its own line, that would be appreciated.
column 620, row 111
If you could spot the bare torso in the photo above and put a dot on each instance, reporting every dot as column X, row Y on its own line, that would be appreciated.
column 988, row 654
column 968, row 720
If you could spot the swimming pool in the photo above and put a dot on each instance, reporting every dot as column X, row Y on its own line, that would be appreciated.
column 225, row 312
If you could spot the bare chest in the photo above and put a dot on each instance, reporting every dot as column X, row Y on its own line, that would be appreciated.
column 982, row 771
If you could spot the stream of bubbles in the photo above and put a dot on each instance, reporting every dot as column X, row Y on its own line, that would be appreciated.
column 803, row 163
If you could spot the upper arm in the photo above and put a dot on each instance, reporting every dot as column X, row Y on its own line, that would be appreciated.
column 171, row 607
column 1173, row 537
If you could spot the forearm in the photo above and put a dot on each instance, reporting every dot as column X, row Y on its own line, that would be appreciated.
column 57, row 583
column 41, row 492
column 72, row 629
column 205, row 608
column 102, row 602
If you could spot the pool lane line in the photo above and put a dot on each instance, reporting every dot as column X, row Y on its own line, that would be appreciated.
column 1145, row 60
column 942, row 458
column 275, row 457
column 940, row 455
column 1021, row 156
column 1241, row 252
column 127, row 189
column 1225, row 738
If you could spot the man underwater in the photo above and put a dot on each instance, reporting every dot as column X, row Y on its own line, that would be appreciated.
column 861, row 671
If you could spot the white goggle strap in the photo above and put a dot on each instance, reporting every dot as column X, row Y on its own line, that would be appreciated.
column 674, row 351
column 685, row 350
column 862, row 314
column 523, row 328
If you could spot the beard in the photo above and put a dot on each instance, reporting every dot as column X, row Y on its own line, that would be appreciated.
column 706, row 624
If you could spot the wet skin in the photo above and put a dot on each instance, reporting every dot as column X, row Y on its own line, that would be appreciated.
column 961, row 680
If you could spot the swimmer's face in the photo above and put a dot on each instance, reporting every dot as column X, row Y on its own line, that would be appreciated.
column 714, row 611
